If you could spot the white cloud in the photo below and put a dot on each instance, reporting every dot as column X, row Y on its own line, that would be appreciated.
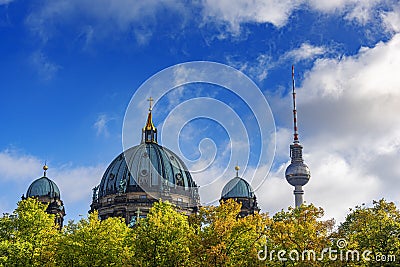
column 211, row 183
column 360, row 11
column 101, row 124
column 76, row 182
column 371, row 73
column 349, row 110
column 305, row 52
column 391, row 19
column 338, row 184
column 235, row 13
column 275, row 193
column 106, row 17
column 140, row 18
column 5, row 2
column 328, row 5
column 349, row 125
column 257, row 69
column 18, row 170
column 143, row 36
column 17, row 167
column 45, row 68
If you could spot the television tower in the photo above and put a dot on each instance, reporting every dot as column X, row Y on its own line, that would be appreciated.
column 297, row 173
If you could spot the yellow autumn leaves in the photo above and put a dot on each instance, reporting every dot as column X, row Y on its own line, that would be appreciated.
column 215, row 236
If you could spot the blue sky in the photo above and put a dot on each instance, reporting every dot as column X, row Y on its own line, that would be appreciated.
column 69, row 69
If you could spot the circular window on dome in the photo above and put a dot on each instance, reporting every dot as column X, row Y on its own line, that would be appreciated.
column 178, row 176
column 143, row 172
column 145, row 155
column 172, row 157
column 111, row 176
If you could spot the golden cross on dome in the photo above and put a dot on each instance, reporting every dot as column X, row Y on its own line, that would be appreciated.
column 150, row 100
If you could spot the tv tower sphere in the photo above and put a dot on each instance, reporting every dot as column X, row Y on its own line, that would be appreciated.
column 297, row 173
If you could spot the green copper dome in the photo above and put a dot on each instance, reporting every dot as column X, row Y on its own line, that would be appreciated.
column 146, row 165
column 43, row 187
column 237, row 188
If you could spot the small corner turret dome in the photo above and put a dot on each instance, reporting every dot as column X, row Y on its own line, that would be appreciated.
column 237, row 188
column 43, row 187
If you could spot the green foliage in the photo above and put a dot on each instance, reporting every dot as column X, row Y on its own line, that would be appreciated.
column 28, row 236
column 215, row 236
column 300, row 230
column 163, row 238
column 92, row 242
column 376, row 229
column 225, row 239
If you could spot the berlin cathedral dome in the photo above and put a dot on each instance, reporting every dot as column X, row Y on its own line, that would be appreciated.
column 148, row 165
column 142, row 175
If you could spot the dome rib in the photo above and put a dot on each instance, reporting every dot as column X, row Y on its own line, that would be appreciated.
column 132, row 178
column 158, row 161
column 118, row 179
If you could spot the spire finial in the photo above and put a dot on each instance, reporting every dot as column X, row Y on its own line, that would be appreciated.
column 45, row 168
column 237, row 168
column 149, row 133
column 295, row 134
column 150, row 104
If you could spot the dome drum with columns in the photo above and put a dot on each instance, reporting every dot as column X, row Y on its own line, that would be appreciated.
column 142, row 175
